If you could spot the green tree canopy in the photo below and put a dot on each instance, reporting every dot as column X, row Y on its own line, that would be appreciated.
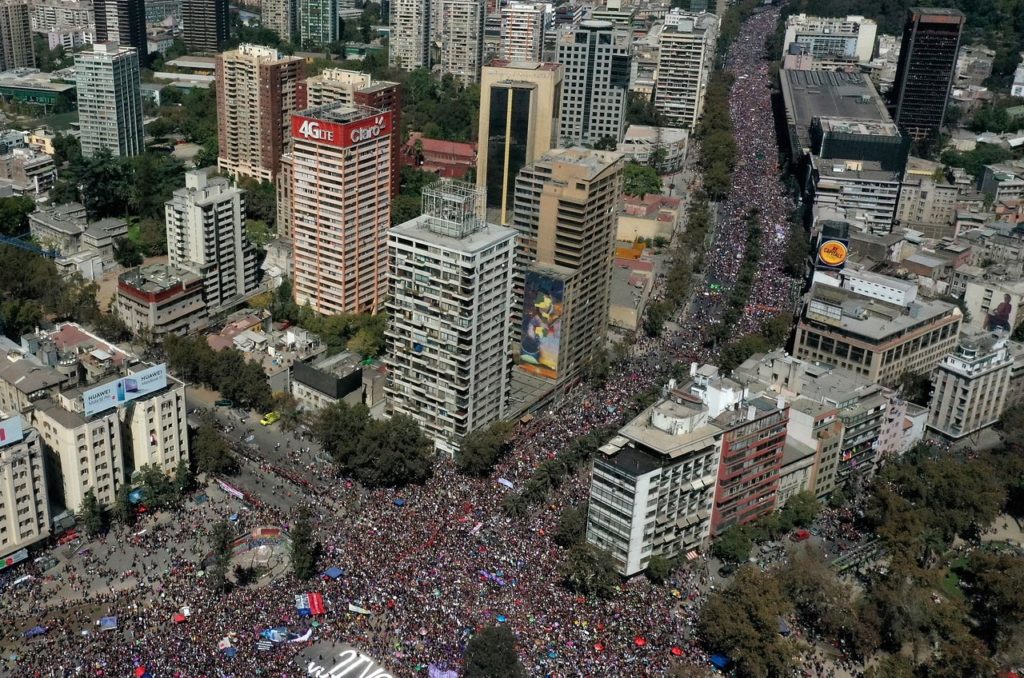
column 482, row 449
column 304, row 549
column 491, row 653
column 590, row 571
column 734, row 544
column 639, row 180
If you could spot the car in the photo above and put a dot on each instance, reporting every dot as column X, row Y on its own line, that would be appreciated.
column 269, row 418
column 800, row 535
column 224, row 402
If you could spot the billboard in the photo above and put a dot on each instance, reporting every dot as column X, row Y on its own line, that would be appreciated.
column 10, row 431
column 339, row 134
column 125, row 389
column 543, row 301
column 832, row 254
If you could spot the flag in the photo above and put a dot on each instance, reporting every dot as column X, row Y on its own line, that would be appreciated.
column 315, row 603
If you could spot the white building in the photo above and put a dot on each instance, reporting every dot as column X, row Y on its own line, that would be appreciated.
column 341, row 207
column 969, row 385
column 335, row 85
column 459, row 38
column 661, row 147
column 409, row 45
column 523, row 25
column 206, row 235
column 24, row 503
column 450, row 297
column 832, row 42
column 1017, row 89
column 157, row 426
column 109, row 100
column 653, row 485
column 685, row 56
column 595, row 57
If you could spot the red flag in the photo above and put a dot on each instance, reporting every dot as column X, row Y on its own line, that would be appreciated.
column 316, row 603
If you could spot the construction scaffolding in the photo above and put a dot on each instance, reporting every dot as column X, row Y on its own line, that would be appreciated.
column 454, row 208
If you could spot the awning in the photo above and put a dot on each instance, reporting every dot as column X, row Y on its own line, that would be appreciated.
column 692, row 555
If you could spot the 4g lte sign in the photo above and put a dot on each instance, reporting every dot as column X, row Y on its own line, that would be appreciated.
column 341, row 135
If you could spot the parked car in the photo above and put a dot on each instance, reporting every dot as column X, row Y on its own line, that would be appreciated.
column 224, row 402
column 800, row 535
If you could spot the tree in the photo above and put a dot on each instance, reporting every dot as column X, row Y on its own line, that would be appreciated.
column 122, row 506
column 260, row 201
column 158, row 489
column 482, row 449
column 589, row 571
column 492, row 652
column 288, row 407
column 892, row 666
column 515, row 506
column 211, row 452
column 735, row 353
column 572, row 526
column 742, row 621
column 304, row 548
column 996, row 584
column 915, row 387
column 66, row 148
column 127, row 253
column 221, row 536
column 821, row 600
column 639, row 180
column 184, row 480
column 659, row 569
column 734, row 544
column 654, row 320
column 800, row 511
column 392, row 453
column 14, row 213
column 92, row 514
column 339, row 428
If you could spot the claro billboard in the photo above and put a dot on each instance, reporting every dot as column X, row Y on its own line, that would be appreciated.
column 125, row 389
column 338, row 134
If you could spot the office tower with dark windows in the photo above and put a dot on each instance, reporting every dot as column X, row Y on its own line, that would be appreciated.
column 518, row 123
column 924, row 73
column 122, row 22
column 207, row 25
column 595, row 57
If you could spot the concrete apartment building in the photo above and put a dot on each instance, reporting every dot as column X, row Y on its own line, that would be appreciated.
column 327, row 381
column 318, row 23
column 970, row 385
column 16, row 35
column 281, row 16
column 206, row 235
column 258, row 90
column 927, row 199
column 109, row 100
column 686, row 51
column 24, row 502
column 519, row 105
column 121, row 22
column 409, row 45
column 56, row 15
column 994, row 303
column 207, row 25
column 832, row 42
column 341, row 207
column 875, row 339
column 596, row 62
column 458, row 34
column 924, row 74
column 523, row 27
column 161, row 299
column 29, row 172
column 653, row 484
column 448, row 336
column 566, row 204
column 157, row 426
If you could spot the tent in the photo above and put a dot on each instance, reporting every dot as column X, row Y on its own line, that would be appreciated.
column 333, row 572
column 399, row 503
column 35, row 631
column 178, row 618
column 721, row 662
column 230, row 652
column 108, row 623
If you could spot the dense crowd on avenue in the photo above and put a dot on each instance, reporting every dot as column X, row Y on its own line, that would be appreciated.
column 416, row 568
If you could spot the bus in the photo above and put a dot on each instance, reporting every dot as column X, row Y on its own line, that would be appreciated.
column 269, row 418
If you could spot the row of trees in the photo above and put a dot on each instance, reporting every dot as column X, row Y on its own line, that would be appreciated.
column 717, row 146
column 734, row 545
column 687, row 257
column 739, row 294
column 159, row 491
column 227, row 371
column 377, row 453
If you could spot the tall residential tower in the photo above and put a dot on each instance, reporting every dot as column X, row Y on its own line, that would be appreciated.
column 685, row 55
column 109, row 100
column 15, row 35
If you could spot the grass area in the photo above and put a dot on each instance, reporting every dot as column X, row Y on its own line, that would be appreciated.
column 134, row 233
column 950, row 584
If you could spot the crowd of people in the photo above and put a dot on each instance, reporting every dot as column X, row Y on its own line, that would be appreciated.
column 444, row 561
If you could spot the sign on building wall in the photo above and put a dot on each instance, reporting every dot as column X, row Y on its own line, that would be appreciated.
column 543, row 303
column 341, row 135
column 125, row 389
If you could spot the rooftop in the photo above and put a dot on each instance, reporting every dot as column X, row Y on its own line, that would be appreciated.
column 476, row 241
column 828, row 94
column 340, row 112
column 157, row 277
column 875, row 320
column 524, row 65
